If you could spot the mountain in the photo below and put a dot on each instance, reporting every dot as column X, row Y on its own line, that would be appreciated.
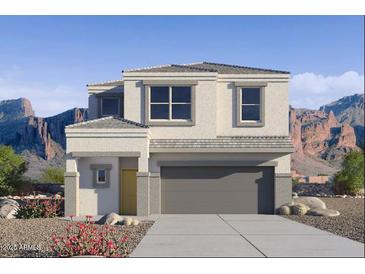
column 41, row 141
column 350, row 110
column 322, row 137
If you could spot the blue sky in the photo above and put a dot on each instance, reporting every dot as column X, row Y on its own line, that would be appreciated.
column 50, row 59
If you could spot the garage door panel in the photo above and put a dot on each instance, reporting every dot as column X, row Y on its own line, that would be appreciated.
column 217, row 190
column 194, row 204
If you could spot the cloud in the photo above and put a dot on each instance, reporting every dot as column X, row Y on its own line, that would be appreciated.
column 312, row 90
column 46, row 99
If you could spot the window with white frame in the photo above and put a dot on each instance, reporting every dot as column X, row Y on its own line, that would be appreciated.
column 170, row 103
column 101, row 176
column 250, row 104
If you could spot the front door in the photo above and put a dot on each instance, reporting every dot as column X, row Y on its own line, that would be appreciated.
column 129, row 192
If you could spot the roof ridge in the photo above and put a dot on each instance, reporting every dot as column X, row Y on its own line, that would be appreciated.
column 147, row 67
column 189, row 66
column 130, row 121
column 108, row 118
column 103, row 83
column 245, row 67
column 89, row 122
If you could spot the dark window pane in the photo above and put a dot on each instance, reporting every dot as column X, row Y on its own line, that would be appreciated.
column 181, row 111
column 101, row 175
column 110, row 106
column 181, row 94
column 159, row 111
column 250, row 96
column 159, row 94
column 251, row 113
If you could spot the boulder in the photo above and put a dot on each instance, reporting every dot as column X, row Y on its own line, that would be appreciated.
column 110, row 219
column 323, row 212
column 8, row 208
column 284, row 210
column 127, row 221
column 135, row 222
column 311, row 202
column 295, row 195
column 299, row 209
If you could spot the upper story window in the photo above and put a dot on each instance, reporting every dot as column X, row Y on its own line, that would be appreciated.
column 110, row 106
column 170, row 103
column 250, row 104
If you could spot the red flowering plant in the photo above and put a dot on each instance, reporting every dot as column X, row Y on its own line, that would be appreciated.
column 87, row 238
column 39, row 208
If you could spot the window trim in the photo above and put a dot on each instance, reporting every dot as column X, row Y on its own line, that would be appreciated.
column 170, row 121
column 95, row 169
column 110, row 97
column 239, row 87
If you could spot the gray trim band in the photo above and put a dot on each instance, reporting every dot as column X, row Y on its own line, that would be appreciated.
column 169, row 82
column 218, row 163
column 71, row 174
column 106, row 154
column 282, row 175
column 155, row 174
column 220, row 150
column 142, row 174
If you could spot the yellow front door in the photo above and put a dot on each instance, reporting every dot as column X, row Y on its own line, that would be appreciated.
column 129, row 192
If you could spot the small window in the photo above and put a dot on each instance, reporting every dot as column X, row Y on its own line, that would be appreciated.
column 110, row 106
column 101, row 176
column 251, row 104
column 170, row 103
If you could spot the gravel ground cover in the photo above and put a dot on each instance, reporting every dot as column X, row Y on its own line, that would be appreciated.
column 32, row 238
column 349, row 224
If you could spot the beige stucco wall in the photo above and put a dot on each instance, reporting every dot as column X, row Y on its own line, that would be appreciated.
column 96, row 201
column 276, row 110
column 205, row 109
column 112, row 140
column 215, row 105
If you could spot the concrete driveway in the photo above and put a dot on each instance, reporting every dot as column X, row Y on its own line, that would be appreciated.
column 240, row 236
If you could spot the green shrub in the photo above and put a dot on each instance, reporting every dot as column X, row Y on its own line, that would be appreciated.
column 350, row 179
column 39, row 209
column 12, row 168
column 295, row 180
column 53, row 175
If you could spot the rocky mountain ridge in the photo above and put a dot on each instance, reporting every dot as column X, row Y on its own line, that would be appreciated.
column 322, row 137
column 40, row 140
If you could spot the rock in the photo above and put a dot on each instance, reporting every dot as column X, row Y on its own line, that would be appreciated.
column 311, row 202
column 127, row 221
column 8, row 208
column 295, row 195
column 110, row 219
column 299, row 209
column 135, row 222
column 323, row 212
column 284, row 210
column 57, row 196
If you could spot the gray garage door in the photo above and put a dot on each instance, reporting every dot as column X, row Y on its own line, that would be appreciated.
column 207, row 190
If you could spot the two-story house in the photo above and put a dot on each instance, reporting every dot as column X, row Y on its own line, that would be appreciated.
column 194, row 138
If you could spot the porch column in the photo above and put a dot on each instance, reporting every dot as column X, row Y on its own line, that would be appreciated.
column 72, row 186
column 155, row 193
column 143, row 187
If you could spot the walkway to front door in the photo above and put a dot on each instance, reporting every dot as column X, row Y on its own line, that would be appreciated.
column 241, row 236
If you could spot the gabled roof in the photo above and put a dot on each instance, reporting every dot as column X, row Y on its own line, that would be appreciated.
column 107, row 83
column 208, row 67
column 108, row 122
